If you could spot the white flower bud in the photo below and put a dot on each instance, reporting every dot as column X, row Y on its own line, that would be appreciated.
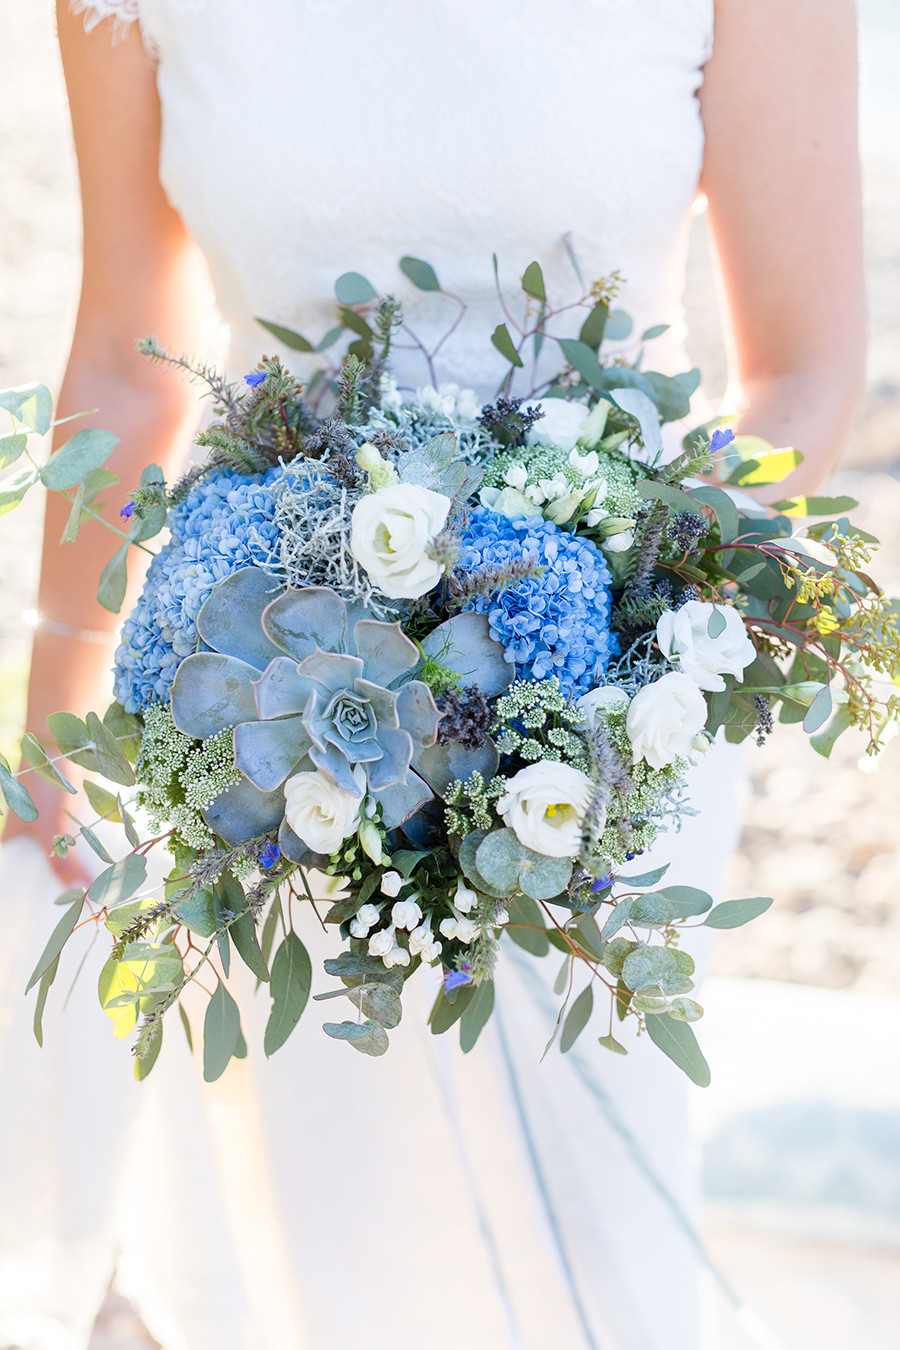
column 584, row 465
column 370, row 841
column 465, row 898
column 369, row 915
column 467, row 930
column 358, row 929
column 406, row 914
column 432, row 951
column 397, row 956
column 448, row 927
column 391, row 883
column 421, row 938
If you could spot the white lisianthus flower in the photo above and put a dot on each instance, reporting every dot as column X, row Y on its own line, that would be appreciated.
column 391, row 884
column 683, row 637
column 607, row 698
column 465, row 898
column 406, row 914
column 545, row 804
column 508, row 501
column 320, row 813
column 381, row 943
column 561, row 424
column 390, row 531
column 663, row 719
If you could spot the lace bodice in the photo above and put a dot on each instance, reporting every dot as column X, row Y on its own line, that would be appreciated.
column 306, row 138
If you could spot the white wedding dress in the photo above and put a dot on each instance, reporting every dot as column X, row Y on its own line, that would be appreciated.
column 423, row 1200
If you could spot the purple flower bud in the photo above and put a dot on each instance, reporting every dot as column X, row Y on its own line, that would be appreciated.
column 720, row 439
column 127, row 510
column 269, row 856
column 602, row 882
column 256, row 379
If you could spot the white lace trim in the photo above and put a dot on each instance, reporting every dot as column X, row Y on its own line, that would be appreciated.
column 125, row 12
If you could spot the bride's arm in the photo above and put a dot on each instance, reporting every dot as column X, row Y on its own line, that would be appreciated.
column 781, row 172
column 142, row 274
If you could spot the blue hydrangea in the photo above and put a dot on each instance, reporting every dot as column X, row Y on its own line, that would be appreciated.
column 553, row 624
column 226, row 522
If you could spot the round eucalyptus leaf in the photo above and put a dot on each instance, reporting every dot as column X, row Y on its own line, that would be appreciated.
column 499, row 858
column 651, row 911
column 647, row 966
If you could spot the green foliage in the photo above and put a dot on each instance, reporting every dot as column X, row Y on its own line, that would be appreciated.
column 221, row 1033
column 677, row 1040
column 290, row 981
column 421, row 274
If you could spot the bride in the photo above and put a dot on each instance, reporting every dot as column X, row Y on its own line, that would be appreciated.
column 321, row 1200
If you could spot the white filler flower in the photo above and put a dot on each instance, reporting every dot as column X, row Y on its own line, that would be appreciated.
column 545, row 804
column 663, row 719
column 390, row 532
column 683, row 637
column 319, row 812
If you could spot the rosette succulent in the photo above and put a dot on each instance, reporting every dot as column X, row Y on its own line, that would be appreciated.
column 310, row 684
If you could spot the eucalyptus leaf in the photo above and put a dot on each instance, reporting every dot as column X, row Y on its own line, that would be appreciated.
column 103, row 802
column 72, row 738
column 221, row 1032
column 14, row 490
column 47, row 979
column 367, row 1037
column 505, row 345
column 677, row 1040
column 287, row 336
column 580, row 356
column 111, row 760
column 114, row 580
column 610, row 1043
column 670, row 396
column 735, row 913
column 526, row 926
column 290, row 981
column 819, row 711
column 353, row 289
column 648, row 967
column 643, row 880
column 651, row 911
column 143, row 1064
column 716, row 624
column 823, row 742
column 687, row 900
column 448, row 1009
column 672, row 497
column 723, row 507
column 96, row 844
column 618, row 326
column 378, row 1003
column 73, row 523
column 11, row 448
column 592, row 329
column 533, row 283
column 15, row 794
column 421, row 274
column 476, row 1015
column 615, row 953
column 35, row 755
column 542, row 877
column 685, row 1010
column 617, row 919
column 57, row 940
column 118, row 882
column 656, row 331
column 86, row 450
column 30, row 404
column 329, row 339
column 578, row 1018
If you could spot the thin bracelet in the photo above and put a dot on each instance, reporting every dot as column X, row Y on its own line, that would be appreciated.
column 35, row 620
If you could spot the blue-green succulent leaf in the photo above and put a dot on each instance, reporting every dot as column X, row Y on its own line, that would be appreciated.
column 383, row 701
column 385, row 649
column 418, row 712
column 399, row 801
column 280, row 690
column 242, row 812
column 331, row 761
column 464, row 643
column 440, row 765
column 334, row 671
column 230, row 619
column 266, row 752
column 300, row 621
column 392, row 767
column 211, row 692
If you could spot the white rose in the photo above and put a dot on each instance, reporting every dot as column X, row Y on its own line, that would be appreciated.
column 607, row 698
column 683, row 636
column 391, row 884
column 406, row 914
column 390, row 532
column 545, row 804
column 561, row 424
column 320, row 813
column 663, row 719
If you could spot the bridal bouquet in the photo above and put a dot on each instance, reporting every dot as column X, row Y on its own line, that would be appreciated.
column 454, row 659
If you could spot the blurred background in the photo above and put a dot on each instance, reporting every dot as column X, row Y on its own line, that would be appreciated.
column 800, row 1132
